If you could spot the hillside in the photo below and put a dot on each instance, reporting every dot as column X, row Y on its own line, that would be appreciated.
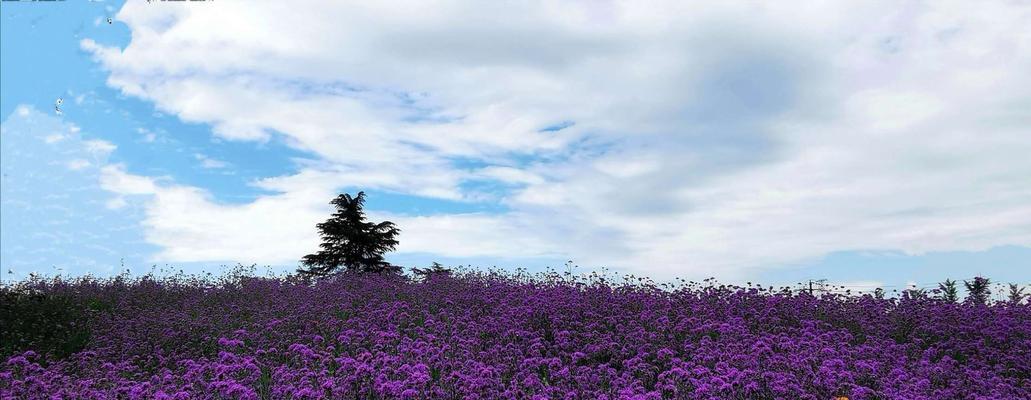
column 494, row 335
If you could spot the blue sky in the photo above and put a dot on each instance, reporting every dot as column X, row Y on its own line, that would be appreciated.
column 866, row 145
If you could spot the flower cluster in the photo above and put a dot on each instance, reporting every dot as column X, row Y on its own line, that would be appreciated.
column 480, row 335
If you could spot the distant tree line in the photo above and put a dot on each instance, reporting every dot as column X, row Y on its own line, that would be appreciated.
column 352, row 244
column 978, row 291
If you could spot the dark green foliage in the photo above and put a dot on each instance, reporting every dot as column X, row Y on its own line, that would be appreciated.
column 949, row 291
column 1016, row 294
column 878, row 293
column 978, row 290
column 433, row 271
column 351, row 243
column 53, row 324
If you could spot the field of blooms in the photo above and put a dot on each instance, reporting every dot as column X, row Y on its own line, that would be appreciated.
column 497, row 336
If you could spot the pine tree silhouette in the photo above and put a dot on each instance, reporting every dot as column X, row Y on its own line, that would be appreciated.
column 1016, row 294
column 433, row 271
column 949, row 291
column 351, row 243
column 978, row 290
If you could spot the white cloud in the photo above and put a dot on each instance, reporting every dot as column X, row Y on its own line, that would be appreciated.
column 78, row 164
column 99, row 148
column 698, row 139
column 189, row 226
column 115, row 179
column 116, row 203
column 453, row 235
column 210, row 163
column 148, row 135
column 510, row 175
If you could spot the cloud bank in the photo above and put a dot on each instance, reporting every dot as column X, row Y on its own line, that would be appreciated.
column 663, row 139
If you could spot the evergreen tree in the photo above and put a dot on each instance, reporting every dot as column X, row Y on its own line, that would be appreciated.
column 978, row 290
column 350, row 242
column 949, row 291
column 914, row 293
column 1016, row 293
column 435, row 270
column 878, row 293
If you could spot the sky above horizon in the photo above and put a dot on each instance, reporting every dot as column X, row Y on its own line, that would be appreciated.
column 879, row 143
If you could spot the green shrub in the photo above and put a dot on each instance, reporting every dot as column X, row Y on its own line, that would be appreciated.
column 54, row 325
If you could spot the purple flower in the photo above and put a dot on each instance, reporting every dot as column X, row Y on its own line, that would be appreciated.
column 488, row 336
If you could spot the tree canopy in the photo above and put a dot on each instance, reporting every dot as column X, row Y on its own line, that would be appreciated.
column 978, row 290
column 433, row 271
column 351, row 243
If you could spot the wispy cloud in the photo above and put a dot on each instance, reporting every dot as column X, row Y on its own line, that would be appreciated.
column 54, row 212
column 78, row 164
column 209, row 163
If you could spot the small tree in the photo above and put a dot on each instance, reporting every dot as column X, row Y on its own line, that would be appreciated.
column 949, row 291
column 1016, row 293
column 978, row 290
column 914, row 293
column 435, row 270
column 351, row 242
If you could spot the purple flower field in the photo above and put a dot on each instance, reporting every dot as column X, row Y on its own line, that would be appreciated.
column 494, row 335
